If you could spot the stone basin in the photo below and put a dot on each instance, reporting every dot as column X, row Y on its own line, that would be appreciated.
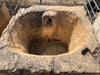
column 49, row 39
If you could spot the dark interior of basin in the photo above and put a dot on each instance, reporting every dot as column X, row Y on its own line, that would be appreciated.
column 30, row 33
column 49, row 22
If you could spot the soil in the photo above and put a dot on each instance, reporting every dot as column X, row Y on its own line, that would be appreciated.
column 47, row 47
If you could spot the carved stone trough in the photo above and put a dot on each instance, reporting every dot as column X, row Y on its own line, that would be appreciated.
column 50, row 40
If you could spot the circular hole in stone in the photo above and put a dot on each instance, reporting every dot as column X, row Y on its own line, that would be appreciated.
column 49, row 22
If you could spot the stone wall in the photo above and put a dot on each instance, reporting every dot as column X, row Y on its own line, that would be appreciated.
column 64, row 1
column 4, row 17
column 59, row 1
column 97, row 27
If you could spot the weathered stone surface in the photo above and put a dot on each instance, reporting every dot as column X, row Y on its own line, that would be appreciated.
column 96, row 26
column 52, row 2
column 17, row 51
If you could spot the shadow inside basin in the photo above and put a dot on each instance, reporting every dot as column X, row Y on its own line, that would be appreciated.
column 47, row 35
